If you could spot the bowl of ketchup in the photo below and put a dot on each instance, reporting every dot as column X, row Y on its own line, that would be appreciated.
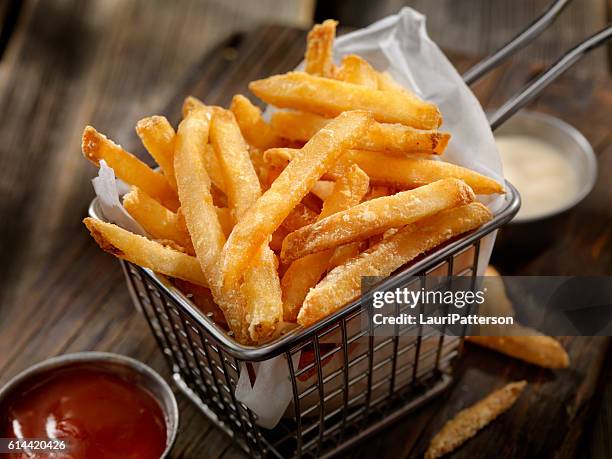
column 92, row 405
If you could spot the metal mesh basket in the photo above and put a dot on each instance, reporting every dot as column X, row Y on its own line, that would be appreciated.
column 346, row 383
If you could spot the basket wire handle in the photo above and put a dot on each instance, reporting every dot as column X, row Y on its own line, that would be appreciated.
column 519, row 41
column 536, row 86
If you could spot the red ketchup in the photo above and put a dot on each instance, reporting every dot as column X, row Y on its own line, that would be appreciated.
column 98, row 414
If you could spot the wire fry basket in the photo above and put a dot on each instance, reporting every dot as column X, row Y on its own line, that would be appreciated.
column 346, row 383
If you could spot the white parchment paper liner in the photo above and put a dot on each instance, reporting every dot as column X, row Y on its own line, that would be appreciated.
column 398, row 44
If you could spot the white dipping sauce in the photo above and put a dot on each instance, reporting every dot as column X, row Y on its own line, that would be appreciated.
column 545, row 179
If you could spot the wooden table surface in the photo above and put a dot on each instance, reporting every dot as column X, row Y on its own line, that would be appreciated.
column 62, row 294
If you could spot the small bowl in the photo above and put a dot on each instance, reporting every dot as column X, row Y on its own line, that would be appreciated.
column 131, row 369
column 535, row 232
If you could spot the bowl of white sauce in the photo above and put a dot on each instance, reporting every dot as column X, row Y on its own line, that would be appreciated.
column 551, row 164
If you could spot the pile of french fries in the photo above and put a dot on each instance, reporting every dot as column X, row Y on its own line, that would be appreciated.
column 281, row 219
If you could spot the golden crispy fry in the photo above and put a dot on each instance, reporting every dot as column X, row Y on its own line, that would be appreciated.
column 223, row 214
column 301, row 276
column 262, row 291
column 254, row 129
column 328, row 97
column 322, row 189
column 299, row 216
column 384, row 137
column 266, row 215
column 128, row 167
column 194, row 185
column 387, row 83
column 213, row 168
column 527, row 345
column 342, row 284
column 157, row 135
column 297, row 125
column 211, row 162
column 344, row 253
column 412, row 172
column 190, row 103
column 469, row 421
column 225, row 219
column 157, row 220
column 261, row 287
column 200, row 215
column 304, row 273
column 319, row 49
column 356, row 70
column 240, row 179
column 279, row 157
column 397, row 138
column 520, row 342
column 348, row 191
column 144, row 252
column 378, row 191
column 375, row 216
column 403, row 172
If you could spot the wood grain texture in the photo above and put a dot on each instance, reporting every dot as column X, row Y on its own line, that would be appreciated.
column 62, row 294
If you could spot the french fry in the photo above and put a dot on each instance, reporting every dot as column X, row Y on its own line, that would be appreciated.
column 375, row 217
column 226, row 220
column 297, row 125
column 378, row 191
column 266, row 215
column 355, row 69
column 254, row 129
column 413, row 172
column 387, row 83
column 157, row 220
column 527, row 345
column 322, row 189
column 191, row 103
column 304, row 273
column 384, row 137
column 344, row 253
column 327, row 97
column 145, row 252
column 262, row 291
column 157, row 135
column 200, row 216
column 240, row 179
column 213, row 168
column 223, row 214
column 319, row 49
column 342, row 284
column 127, row 167
column 397, row 138
column 347, row 192
column 402, row 172
column 520, row 342
column 279, row 157
column 261, row 287
column 299, row 216
column 469, row 421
